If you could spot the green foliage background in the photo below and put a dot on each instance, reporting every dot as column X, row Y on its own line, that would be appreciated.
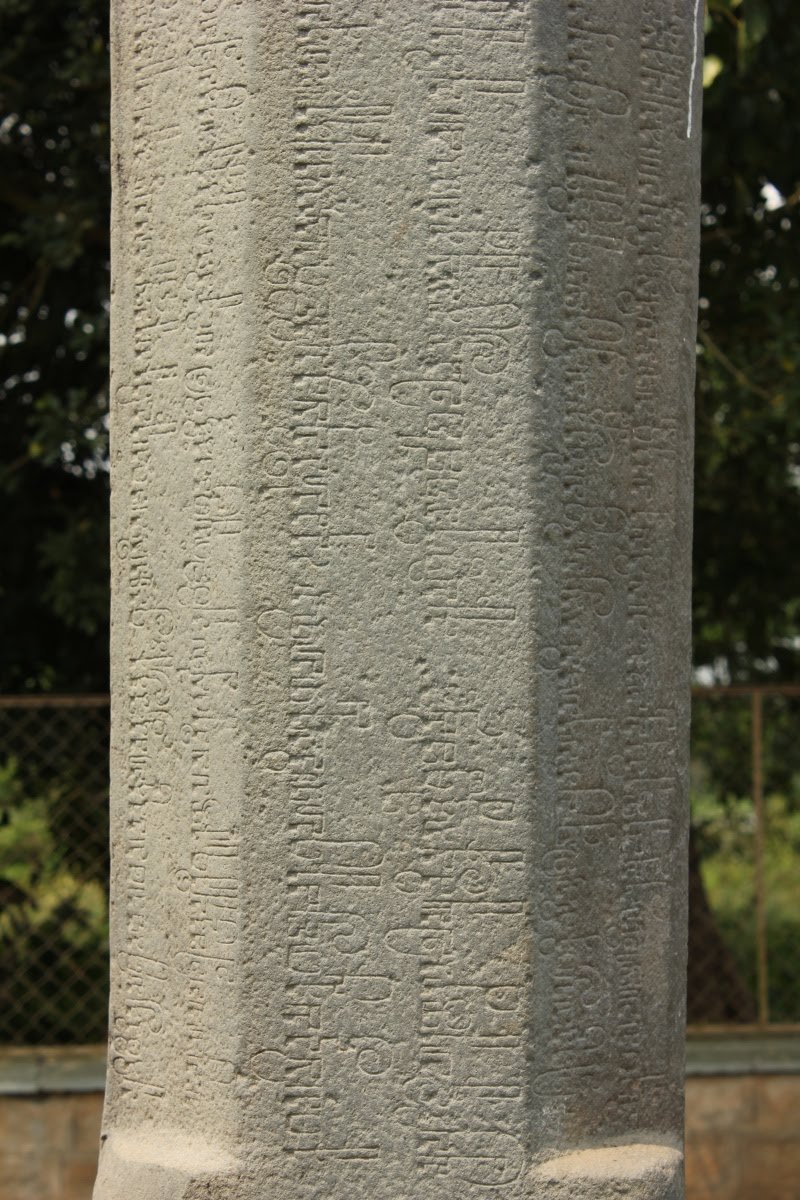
column 53, row 918
column 54, row 273
column 747, row 500
column 54, row 202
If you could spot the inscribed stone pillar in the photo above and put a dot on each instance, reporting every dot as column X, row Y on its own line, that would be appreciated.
column 402, row 372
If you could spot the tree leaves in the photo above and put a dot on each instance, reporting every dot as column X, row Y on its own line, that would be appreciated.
column 747, row 500
column 54, row 203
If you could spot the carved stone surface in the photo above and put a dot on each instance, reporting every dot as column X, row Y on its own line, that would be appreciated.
column 402, row 374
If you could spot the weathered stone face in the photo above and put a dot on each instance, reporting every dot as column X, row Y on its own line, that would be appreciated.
column 403, row 359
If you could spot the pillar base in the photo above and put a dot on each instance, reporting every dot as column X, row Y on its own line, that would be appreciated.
column 637, row 1171
column 163, row 1166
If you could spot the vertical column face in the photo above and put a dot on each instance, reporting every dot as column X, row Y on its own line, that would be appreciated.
column 402, row 371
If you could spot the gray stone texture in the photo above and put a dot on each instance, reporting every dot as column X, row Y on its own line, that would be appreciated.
column 402, row 373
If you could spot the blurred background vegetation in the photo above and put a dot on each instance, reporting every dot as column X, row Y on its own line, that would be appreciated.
column 54, row 284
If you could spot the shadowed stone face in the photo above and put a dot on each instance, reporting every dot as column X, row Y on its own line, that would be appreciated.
column 402, row 373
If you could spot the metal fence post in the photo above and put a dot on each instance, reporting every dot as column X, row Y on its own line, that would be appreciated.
column 758, row 805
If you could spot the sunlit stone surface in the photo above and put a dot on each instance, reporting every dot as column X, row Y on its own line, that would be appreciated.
column 402, row 375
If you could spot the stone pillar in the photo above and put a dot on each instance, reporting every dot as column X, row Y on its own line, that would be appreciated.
column 403, row 350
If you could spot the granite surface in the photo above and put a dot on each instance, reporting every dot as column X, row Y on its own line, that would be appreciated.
column 403, row 351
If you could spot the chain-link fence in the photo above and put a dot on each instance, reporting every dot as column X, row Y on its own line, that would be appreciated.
column 744, row 937
column 744, row 900
column 744, row 967
column 53, row 869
